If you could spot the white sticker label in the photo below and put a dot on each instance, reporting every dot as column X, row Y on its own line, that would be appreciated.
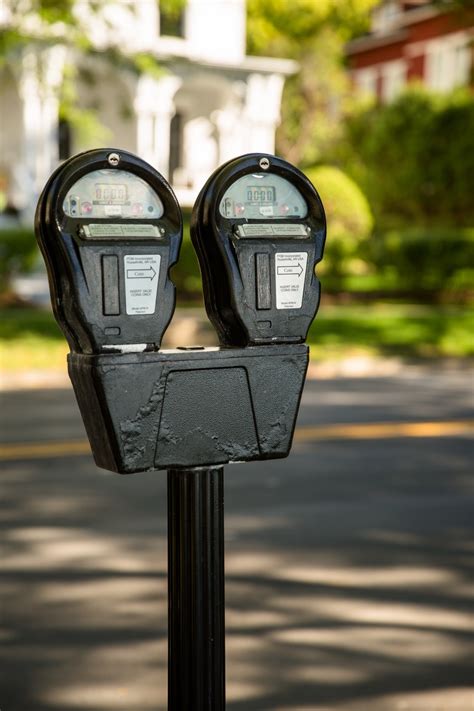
column 266, row 210
column 264, row 230
column 104, row 230
column 113, row 210
column 142, row 272
column 290, row 272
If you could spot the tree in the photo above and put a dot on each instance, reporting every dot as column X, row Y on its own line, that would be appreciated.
column 415, row 158
column 315, row 99
column 41, row 24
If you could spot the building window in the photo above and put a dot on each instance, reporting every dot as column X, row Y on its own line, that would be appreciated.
column 385, row 17
column 171, row 21
column 448, row 63
column 393, row 80
column 64, row 139
column 366, row 81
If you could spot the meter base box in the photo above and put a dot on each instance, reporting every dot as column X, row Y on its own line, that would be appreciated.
column 187, row 408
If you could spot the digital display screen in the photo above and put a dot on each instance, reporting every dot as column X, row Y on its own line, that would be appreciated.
column 262, row 196
column 259, row 194
column 110, row 193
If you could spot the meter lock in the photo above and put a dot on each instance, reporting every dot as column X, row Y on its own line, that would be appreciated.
column 110, row 228
column 259, row 229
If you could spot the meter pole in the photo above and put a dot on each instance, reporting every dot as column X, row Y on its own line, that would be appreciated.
column 196, row 648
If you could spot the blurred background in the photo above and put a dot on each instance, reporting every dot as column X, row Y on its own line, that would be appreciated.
column 372, row 100
column 348, row 575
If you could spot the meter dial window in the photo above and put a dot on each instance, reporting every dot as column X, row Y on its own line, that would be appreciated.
column 262, row 196
column 105, row 194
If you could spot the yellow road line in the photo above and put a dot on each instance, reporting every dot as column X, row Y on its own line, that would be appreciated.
column 366, row 430
column 42, row 450
column 385, row 430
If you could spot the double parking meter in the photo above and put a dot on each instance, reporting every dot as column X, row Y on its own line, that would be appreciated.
column 259, row 229
column 110, row 228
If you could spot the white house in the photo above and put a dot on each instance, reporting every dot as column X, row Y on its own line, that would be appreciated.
column 210, row 101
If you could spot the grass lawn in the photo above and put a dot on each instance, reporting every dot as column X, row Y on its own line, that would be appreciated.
column 31, row 340
column 406, row 330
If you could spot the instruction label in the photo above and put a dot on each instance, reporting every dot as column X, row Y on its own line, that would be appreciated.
column 98, row 230
column 142, row 272
column 290, row 273
column 266, row 230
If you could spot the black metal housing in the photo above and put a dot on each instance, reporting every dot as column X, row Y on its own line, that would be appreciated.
column 185, row 408
column 74, row 263
column 228, row 264
column 196, row 630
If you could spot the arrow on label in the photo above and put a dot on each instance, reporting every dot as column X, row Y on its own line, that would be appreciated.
column 148, row 273
column 290, row 269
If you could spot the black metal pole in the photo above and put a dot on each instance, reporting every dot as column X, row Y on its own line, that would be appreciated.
column 196, row 632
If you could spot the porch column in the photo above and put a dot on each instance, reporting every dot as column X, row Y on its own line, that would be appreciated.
column 154, row 107
column 262, row 111
column 39, row 80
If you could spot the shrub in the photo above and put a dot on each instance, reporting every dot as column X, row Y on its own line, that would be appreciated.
column 414, row 158
column 18, row 253
column 425, row 260
column 349, row 221
column 186, row 274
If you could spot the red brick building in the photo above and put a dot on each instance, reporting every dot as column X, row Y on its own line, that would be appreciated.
column 413, row 40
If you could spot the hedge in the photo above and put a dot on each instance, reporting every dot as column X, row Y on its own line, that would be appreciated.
column 424, row 259
column 414, row 158
column 418, row 261
column 18, row 253
column 349, row 220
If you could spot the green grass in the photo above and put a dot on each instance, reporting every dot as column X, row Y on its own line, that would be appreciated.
column 407, row 330
column 30, row 338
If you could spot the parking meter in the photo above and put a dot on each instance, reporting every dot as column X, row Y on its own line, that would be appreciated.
column 110, row 228
column 259, row 229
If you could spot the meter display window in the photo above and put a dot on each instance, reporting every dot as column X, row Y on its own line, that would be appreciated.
column 112, row 193
column 262, row 196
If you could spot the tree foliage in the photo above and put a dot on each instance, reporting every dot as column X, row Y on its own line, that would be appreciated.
column 278, row 27
column 316, row 98
column 415, row 158
column 43, row 23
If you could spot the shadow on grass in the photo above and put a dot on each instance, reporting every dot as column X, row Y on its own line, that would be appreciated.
column 16, row 323
column 437, row 332
column 408, row 331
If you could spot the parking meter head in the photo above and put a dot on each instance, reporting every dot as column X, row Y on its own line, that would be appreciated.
column 109, row 228
column 258, row 227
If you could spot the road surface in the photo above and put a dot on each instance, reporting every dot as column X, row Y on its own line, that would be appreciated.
column 347, row 565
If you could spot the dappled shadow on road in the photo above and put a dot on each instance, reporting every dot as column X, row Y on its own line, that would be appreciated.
column 340, row 633
column 349, row 591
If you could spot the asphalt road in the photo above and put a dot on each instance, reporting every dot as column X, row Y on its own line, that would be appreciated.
column 348, row 565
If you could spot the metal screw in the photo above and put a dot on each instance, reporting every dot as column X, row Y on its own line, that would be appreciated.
column 113, row 159
column 264, row 163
